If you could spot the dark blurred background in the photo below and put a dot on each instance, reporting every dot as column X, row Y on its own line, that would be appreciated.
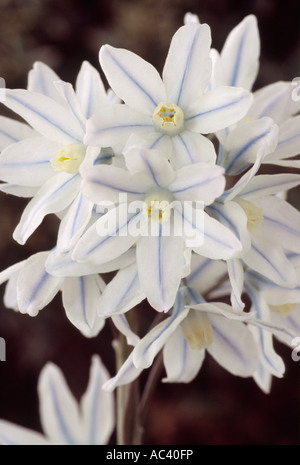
column 216, row 408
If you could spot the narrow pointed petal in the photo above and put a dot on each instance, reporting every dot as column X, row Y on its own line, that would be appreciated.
column 202, row 182
column 232, row 215
column 53, row 197
column 126, row 374
column 151, row 163
column 266, row 258
column 122, row 325
column 48, row 117
column 282, row 221
column 209, row 237
column 105, row 183
column 19, row 191
column 289, row 139
column 236, row 276
column 14, row 435
column 273, row 101
column 205, row 273
column 90, row 89
column 111, row 126
column 35, row 287
column 41, row 79
column 27, row 162
column 73, row 223
column 61, row 264
column 58, row 408
column 67, row 92
column 150, row 345
column 263, row 378
column 219, row 308
column 186, row 364
column 97, row 407
column 243, row 144
column 12, row 131
column 264, row 339
column 133, row 79
column 240, row 54
column 188, row 66
column 218, row 109
column 122, row 293
column 233, row 346
column 190, row 147
column 160, row 261
column 266, row 184
column 112, row 240
column 81, row 302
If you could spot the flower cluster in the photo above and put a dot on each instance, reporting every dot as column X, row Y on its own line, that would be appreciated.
column 175, row 185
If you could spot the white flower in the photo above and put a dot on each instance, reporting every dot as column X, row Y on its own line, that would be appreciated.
column 64, row 421
column 47, row 164
column 160, row 223
column 172, row 113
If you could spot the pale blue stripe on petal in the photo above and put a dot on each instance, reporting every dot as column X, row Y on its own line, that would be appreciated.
column 65, row 432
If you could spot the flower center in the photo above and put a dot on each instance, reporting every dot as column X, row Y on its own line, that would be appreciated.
column 197, row 330
column 254, row 214
column 168, row 118
column 157, row 206
column 284, row 309
column 69, row 158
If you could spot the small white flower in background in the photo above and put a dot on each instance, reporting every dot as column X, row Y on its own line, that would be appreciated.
column 64, row 420
column 46, row 165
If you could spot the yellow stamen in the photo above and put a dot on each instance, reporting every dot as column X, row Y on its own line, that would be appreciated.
column 284, row 309
column 254, row 214
column 197, row 330
column 68, row 158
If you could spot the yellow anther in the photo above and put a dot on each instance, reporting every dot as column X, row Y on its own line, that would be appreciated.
column 168, row 118
column 284, row 309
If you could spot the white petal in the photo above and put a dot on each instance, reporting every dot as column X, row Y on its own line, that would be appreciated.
column 126, row 374
column 27, row 162
column 122, row 293
column 61, row 264
column 133, row 79
column 232, row 215
column 81, row 302
column 199, row 182
column 270, row 359
column 101, row 248
column 48, row 117
column 67, row 92
column 289, row 139
column 233, row 346
column 105, row 183
column 90, row 89
column 122, row 325
column 41, row 79
column 265, row 184
column 240, row 54
column 263, row 378
column 73, row 223
column 19, row 191
column 12, row 131
column 281, row 221
column 187, row 69
column 97, row 406
column 160, row 261
column 244, row 142
column 14, row 435
column 151, row 163
column 182, row 363
column 149, row 346
column 236, row 276
column 58, row 408
column 57, row 194
column 111, row 126
column 273, row 101
column 268, row 259
column 218, row 109
column 190, row 147
column 211, row 238
column 205, row 273
column 35, row 287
